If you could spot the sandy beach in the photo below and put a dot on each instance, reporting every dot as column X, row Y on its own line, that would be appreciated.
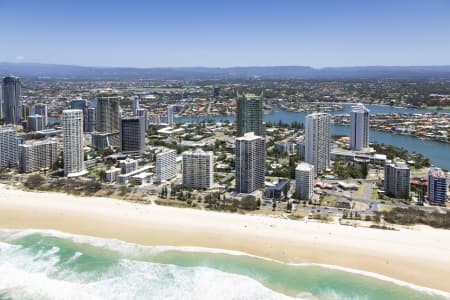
column 420, row 255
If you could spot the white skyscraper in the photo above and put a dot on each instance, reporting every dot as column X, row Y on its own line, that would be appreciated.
column 198, row 169
column 170, row 110
column 359, row 127
column 8, row 147
column 304, row 181
column 317, row 141
column 166, row 165
column 249, row 164
column 73, row 142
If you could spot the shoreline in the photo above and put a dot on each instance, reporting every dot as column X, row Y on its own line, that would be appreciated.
column 415, row 256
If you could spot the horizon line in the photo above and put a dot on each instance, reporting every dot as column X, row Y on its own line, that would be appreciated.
column 224, row 67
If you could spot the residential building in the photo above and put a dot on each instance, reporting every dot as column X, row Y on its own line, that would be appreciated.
column 73, row 142
column 11, row 90
column 170, row 112
column 8, row 147
column 25, row 112
column 250, row 155
column 112, row 174
column 129, row 165
column 304, row 181
column 83, row 105
column 36, row 123
column 437, row 186
column 279, row 190
column 37, row 155
column 359, row 128
column 41, row 109
column 396, row 179
column 132, row 135
column 166, row 165
column 91, row 119
column 108, row 119
column 249, row 115
column 198, row 169
column 143, row 113
column 317, row 141
column 135, row 105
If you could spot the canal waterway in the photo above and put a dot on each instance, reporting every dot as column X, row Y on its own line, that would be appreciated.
column 438, row 152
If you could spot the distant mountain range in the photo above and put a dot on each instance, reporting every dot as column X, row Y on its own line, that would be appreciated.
column 50, row 71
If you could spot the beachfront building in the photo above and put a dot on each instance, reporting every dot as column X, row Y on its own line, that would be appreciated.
column 304, row 181
column 73, row 142
column 107, row 124
column 317, row 141
column 128, row 166
column 359, row 128
column 132, row 135
column 41, row 109
column 36, row 123
column 11, row 109
column 8, row 147
column 278, row 190
column 250, row 155
column 249, row 116
column 166, row 165
column 437, row 186
column 37, row 155
column 396, row 180
column 198, row 169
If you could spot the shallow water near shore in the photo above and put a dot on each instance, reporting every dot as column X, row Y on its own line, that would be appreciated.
column 44, row 264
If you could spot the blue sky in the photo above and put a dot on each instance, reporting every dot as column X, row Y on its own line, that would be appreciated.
column 169, row 33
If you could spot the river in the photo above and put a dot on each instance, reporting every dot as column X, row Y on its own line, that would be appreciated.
column 438, row 152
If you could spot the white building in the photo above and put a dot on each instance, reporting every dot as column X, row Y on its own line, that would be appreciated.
column 359, row 127
column 112, row 174
column 8, row 147
column 317, row 141
column 37, row 155
column 250, row 168
column 166, row 165
column 198, row 169
column 304, row 181
column 73, row 142
column 396, row 180
column 170, row 111
column 128, row 166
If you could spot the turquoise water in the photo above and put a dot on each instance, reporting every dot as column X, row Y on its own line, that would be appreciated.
column 53, row 265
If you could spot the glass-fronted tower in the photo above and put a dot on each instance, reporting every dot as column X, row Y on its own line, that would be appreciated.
column 249, row 115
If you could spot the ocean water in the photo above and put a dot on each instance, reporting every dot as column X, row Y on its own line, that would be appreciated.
column 43, row 264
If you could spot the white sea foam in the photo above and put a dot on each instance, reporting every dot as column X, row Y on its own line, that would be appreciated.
column 32, row 277
column 136, row 249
